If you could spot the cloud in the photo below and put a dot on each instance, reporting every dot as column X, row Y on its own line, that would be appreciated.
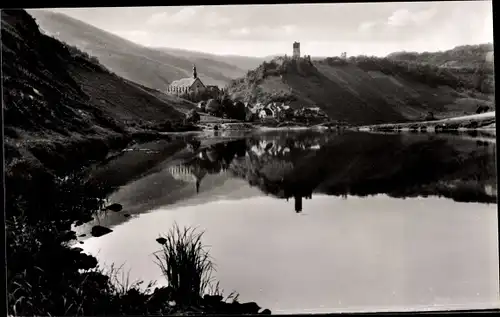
column 366, row 26
column 157, row 18
column 404, row 17
column 192, row 16
column 289, row 28
column 182, row 17
column 285, row 32
column 240, row 31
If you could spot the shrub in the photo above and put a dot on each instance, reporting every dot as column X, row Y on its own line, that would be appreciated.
column 213, row 107
column 185, row 264
column 193, row 116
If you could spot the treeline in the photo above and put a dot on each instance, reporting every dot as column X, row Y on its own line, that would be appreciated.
column 224, row 108
column 460, row 56
column 479, row 79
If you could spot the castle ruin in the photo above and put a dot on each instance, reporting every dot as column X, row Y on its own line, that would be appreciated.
column 296, row 50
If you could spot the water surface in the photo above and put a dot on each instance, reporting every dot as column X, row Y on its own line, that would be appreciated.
column 312, row 222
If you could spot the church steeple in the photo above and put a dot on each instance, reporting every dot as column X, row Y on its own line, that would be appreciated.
column 195, row 74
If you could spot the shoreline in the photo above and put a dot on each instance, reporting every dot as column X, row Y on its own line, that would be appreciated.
column 484, row 121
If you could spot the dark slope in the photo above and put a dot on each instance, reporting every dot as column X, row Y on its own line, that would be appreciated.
column 55, row 94
column 153, row 68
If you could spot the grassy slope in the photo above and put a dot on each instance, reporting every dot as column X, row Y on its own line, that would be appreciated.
column 54, row 94
column 153, row 68
column 357, row 95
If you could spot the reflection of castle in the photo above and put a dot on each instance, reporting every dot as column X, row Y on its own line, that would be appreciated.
column 298, row 201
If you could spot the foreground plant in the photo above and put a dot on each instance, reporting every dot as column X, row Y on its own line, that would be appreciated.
column 186, row 264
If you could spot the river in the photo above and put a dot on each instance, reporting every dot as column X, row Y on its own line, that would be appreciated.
column 305, row 221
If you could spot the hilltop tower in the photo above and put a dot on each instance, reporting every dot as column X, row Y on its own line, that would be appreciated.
column 296, row 50
column 195, row 74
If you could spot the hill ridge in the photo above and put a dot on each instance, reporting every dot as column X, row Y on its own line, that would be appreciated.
column 54, row 93
column 366, row 90
column 151, row 67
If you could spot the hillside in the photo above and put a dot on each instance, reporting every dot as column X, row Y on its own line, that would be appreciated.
column 242, row 63
column 460, row 56
column 365, row 90
column 153, row 68
column 58, row 99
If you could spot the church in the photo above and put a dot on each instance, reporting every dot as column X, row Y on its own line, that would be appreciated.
column 186, row 85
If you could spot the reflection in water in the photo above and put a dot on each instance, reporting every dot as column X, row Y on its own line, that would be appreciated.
column 295, row 166
column 363, row 244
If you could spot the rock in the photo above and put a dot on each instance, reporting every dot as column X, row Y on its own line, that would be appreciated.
column 81, row 242
column 246, row 308
column 160, row 296
column 126, row 215
column 265, row 312
column 70, row 235
column 79, row 223
column 82, row 235
column 213, row 298
column 99, row 231
column 114, row 207
column 161, row 240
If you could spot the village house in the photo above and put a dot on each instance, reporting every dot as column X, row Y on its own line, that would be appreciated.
column 266, row 113
column 187, row 85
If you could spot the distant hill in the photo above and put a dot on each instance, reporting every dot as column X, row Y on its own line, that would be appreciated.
column 242, row 63
column 54, row 95
column 153, row 68
column 368, row 90
column 460, row 56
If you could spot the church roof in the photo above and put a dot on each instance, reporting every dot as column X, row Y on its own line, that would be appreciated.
column 184, row 82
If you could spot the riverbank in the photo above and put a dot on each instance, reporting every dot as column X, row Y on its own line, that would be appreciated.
column 483, row 121
column 41, row 208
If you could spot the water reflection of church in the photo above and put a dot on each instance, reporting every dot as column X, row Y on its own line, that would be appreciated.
column 193, row 173
column 188, row 174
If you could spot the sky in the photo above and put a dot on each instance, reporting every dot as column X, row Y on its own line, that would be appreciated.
column 322, row 29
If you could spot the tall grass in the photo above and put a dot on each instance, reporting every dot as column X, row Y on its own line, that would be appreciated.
column 186, row 264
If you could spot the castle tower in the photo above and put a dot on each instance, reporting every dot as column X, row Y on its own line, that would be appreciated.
column 195, row 74
column 296, row 50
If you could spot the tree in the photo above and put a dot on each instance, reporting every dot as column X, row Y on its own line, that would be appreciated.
column 430, row 116
column 202, row 105
column 193, row 116
column 213, row 107
column 239, row 111
column 249, row 116
column 482, row 109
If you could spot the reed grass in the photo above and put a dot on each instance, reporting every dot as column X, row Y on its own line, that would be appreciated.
column 186, row 264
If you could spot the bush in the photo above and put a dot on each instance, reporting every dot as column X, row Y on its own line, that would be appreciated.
column 193, row 116
column 185, row 264
column 213, row 107
column 430, row 116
